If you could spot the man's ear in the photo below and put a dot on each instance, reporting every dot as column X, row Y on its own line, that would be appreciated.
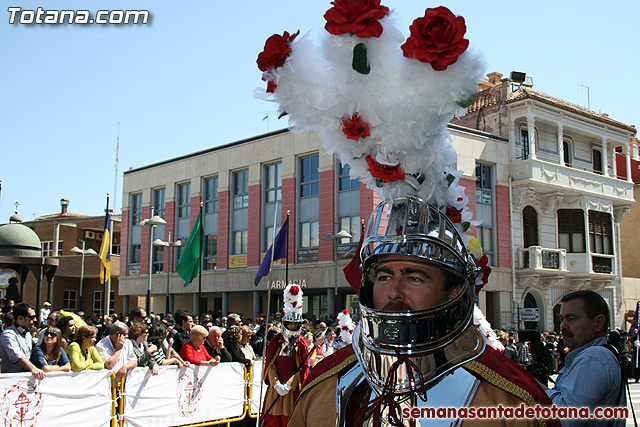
column 599, row 323
column 453, row 292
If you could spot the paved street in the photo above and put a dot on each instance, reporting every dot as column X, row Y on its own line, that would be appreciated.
column 635, row 400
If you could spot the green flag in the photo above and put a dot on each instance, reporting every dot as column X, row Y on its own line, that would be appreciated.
column 190, row 262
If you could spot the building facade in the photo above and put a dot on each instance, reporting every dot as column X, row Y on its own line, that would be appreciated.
column 550, row 189
column 61, row 232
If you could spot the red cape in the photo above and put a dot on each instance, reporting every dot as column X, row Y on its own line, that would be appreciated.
column 274, row 348
column 491, row 361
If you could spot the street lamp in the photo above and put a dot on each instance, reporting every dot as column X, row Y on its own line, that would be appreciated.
column 150, row 223
column 169, row 244
column 83, row 252
column 342, row 234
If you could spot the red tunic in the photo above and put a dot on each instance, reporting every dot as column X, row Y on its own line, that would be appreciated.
column 283, row 369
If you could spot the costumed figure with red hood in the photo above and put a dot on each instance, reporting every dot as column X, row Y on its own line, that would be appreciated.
column 286, row 365
column 382, row 104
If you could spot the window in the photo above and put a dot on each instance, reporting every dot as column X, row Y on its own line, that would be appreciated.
column 210, row 195
column 183, row 220
column 483, row 184
column 485, row 208
column 240, row 215
column 600, row 233
column 69, row 300
column 98, row 303
column 571, row 230
column 158, row 202
column 47, row 248
column 241, row 189
column 135, row 208
column 272, row 207
column 597, row 161
column 308, row 214
column 344, row 180
column 485, row 236
column 566, row 152
column 210, row 199
column 273, row 182
column 309, row 176
column 350, row 224
column 524, row 142
column 530, row 226
column 158, row 259
column 184, row 200
column 309, row 234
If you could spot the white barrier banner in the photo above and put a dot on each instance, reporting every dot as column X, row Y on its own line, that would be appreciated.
column 60, row 399
column 256, row 379
column 183, row 396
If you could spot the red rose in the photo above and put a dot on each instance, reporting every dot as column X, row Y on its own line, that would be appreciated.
column 354, row 128
column 294, row 290
column 345, row 312
column 484, row 271
column 437, row 38
column 359, row 17
column 294, row 303
column 344, row 328
column 276, row 50
column 455, row 215
column 384, row 172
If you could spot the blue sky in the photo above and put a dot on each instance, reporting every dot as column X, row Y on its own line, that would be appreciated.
column 185, row 81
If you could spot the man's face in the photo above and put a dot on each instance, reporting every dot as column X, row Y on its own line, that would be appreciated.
column 120, row 339
column 142, row 318
column 409, row 285
column 187, row 324
column 51, row 320
column 215, row 337
column 27, row 322
column 577, row 329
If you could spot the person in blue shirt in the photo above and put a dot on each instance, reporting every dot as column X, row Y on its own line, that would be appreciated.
column 16, row 343
column 592, row 375
column 50, row 356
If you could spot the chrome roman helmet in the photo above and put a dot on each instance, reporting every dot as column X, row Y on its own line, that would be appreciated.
column 408, row 228
column 292, row 320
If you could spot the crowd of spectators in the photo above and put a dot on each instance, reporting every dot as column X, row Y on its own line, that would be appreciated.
column 122, row 342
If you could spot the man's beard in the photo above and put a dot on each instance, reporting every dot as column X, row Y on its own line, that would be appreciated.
column 397, row 306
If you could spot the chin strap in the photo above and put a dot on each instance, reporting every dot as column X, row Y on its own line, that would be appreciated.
column 386, row 399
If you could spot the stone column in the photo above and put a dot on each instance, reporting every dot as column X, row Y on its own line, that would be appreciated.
column 256, row 303
column 225, row 303
column 531, row 129
column 561, row 142
column 605, row 156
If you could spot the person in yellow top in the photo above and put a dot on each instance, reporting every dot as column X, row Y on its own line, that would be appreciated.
column 82, row 352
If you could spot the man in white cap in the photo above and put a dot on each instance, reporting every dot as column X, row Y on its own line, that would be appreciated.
column 44, row 312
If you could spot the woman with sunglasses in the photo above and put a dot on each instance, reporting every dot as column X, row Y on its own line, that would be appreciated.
column 68, row 328
column 50, row 356
column 138, row 335
column 83, row 353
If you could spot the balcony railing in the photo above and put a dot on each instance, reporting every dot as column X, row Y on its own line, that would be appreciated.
column 601, row 264
column 572, row 181
column 537, row 257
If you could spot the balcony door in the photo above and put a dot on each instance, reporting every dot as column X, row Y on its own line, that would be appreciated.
column 530, row 226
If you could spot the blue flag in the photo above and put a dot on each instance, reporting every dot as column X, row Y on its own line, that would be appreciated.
column 633, row 330
column 279, row 248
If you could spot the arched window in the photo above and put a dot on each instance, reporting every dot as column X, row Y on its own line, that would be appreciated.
column 530, row 226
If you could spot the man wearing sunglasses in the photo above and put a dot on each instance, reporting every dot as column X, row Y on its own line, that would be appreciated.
column 16, row 342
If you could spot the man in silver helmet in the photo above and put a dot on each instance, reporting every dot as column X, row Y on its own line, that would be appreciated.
column 286, row 365
column 415, row 347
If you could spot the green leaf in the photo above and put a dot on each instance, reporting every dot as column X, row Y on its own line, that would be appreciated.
column 360, row 62
column 284, row 113
column 465, row 226
column 450, row 179
column 468, row 102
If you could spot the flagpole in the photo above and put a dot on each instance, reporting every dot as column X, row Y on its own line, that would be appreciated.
column 266, row 321
column 286, row 258
column 200, row 258
column 107, row 291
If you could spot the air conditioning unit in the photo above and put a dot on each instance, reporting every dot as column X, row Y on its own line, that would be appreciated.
column 89, row 234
